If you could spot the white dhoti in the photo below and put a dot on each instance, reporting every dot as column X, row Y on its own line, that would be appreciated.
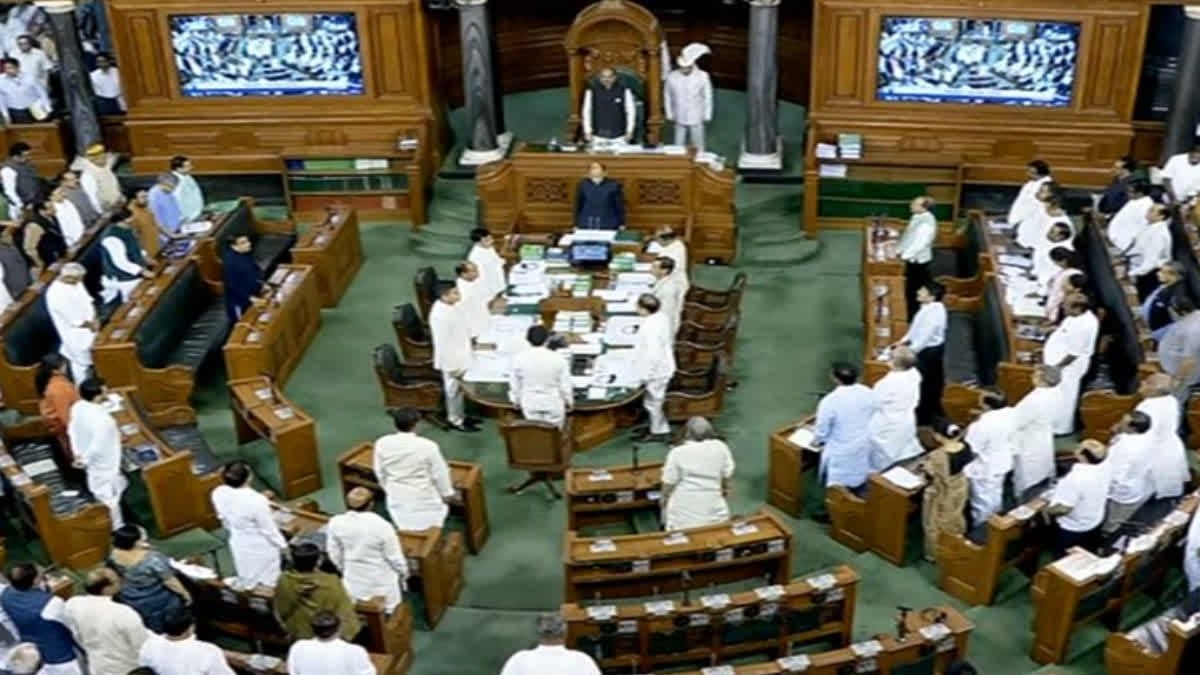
column 1068, row 388
column 76, row 347
column 694, row 508
column 454, row 399
column 113, row 288
column 107, row 489
column 655, row 397
column 256, row 559
column 417, row 516
column 987, row 497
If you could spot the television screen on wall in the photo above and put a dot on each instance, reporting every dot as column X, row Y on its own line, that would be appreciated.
column 267, row 54
column 990, row 61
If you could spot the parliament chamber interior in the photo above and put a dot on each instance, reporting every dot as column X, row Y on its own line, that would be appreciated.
column 718, row 337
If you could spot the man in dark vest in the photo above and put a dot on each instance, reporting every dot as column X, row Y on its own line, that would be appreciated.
column 40, row 237
column 14, row 264
column 124, row 263
column 609, row 112
column 599, row 202
column 22, row 185
column 88, row 210
column 243, row 277
column 37, row 613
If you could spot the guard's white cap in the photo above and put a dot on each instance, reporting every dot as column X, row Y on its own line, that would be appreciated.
column 691, row 54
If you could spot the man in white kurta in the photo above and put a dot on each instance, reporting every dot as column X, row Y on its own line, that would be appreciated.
column 539, row 382
column 96, row 443
column 654, row 363
column 550, row 655
column 474, row 299
column 187, row 192
column 893, row 427
column 326, row 653
column 670, row 290
column 1033, row 430
column 1168, row 456
column 124, row 264
column 74, row 318
column 1150, row 250
column 255, row 541
column 688, row 97
column 1131, row 218
column 110, row 633
column 1191, row 555
column 178, row 652
column 413, row 474
column 841, row 431
column 695, row 477
column 97, row 177
column 1044, row 268
column 1026, row 206
column 366, row 548
column 491, row 265
column 1128, row 462
column 991, row 439
column 451, row 333
column 669, row 245
column 1080, row 499
column 1070, row 348
column 1181, row 174
column 69, row 220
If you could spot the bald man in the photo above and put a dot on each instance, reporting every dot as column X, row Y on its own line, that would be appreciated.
column 110, row 633
column 1168, row 456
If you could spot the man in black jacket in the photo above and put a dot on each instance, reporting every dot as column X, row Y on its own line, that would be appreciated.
column 243, row 278
column 599, row 202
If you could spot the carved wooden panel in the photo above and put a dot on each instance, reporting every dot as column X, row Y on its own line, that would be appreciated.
column 549, row 190
column 1103, row 88
column 148, row 68
column 388, row 32
column 847, row 54
column 656, row 192
column 615, row 55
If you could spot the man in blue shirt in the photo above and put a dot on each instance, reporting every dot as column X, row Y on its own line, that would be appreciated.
column 843, row 420
column 165, row 207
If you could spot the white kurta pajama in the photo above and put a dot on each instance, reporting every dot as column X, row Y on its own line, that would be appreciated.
column 677, row 251
column 491, row 269
column 1023, row 212
column 1168, row 456
column 1033, row 437
column 540, row 384
column 451, row 335
column 189, row 195
column 70, row 307
column 254, row 539
column 1128, row 221
column 1132, row 485
column 654, row 365
column 550, row 659
column 893, row 427
column 110, row 633
column 366, row 548
column 328, row 657
column 114, row 287
column 69, row 221
column 688, row 103
column 1045, row 270
column 991, row 439
column 474, row 305
column 96, row 442
column 696, row 470
column 416, row 480
column 1075, row 336
column 670, row 291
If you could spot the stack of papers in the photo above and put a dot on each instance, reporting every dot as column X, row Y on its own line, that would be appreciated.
column 903, row 478
column 489, row 366
column 528, row 273
column 615, row 369
column 572, row 322
column 593, row 235
column 507, row 332
column 1083, row 566
column 621, row 331
column 833, row 170
column 850, row 145
column 827, row 151
column 803, row 437
column 623, row 262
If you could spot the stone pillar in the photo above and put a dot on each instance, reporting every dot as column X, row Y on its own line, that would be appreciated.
column 762, row 148
column 1185, row 111
column 76, row 85
column 486, row 142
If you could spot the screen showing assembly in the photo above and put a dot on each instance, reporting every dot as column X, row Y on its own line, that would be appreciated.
column 267, row 54
column 1000, row 61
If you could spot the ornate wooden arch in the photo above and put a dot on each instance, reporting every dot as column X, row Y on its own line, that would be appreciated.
column 616, row 33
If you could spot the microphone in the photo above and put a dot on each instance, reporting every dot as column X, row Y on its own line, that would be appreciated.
column 901, row 623
column 685, row 581
column 634, row 450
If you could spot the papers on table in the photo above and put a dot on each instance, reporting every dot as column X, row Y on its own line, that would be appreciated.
column 803, row 437
column 489, row 366
column 826, row 151
column 633, row 280
column 1082, row 566
column 196, row 227
column 1000, row 226
column 198, row 572
column 1022, row 513
column 42, row 466
column 833, row 170
column 622, row 331
column 674, row 150
column 903, row 478
column 585, row 348
column 593, row 235
column 528, row 273
column 507, row 332
column 1024, row 262
column 615, row 369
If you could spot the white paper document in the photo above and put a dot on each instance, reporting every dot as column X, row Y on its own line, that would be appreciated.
column 903, row 478
column 803, row 437
column 489, row 366
column 622, row 331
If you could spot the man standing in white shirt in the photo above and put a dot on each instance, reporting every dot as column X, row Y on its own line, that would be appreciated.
column 1080, row 498
column 366, row 548
column 96, row 444
column 688, row 97
column 106, row 85
column 255, row 541
column 1069, row 347
column 451, row 336
column 74, row 318
column 540, row 381
column 1026, row 206
column 1033, row 430
column 671, row 246
column 110, row 633
column 654, row 365
column 1150, row 250
column 24, row 100
column 187, row 192
column 893, row 427
column 34, row 62
column 69, row 220
column 490, row 264
column 1129, row 468
column 991, row 438
column 1181, row 174
column 328, row 653
column 669, row 290
column 178, row 652
column 1179, row 347
column 1131, row 219
column 1168, row 458
column 413, row 475
column 916, row 249
column 551, row 654
column 474, row 300
column 926, row 337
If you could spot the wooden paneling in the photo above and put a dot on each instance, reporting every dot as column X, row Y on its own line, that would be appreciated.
column 849, row 38
column 1105, row 89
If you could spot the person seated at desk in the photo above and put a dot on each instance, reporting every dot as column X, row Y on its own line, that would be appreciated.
column 539, row 382
column 178, row 652
column 1181, row 174
column 74, row 318
column 1150, row 250
column 304, row 590
column 551, row 654
column 1069, row 347
column 696, row 477
column 70, row 223
column 242, row 275
column 255, row 541
column 413, row 474
column 96, row 444
column 1156, row 310
column 654, row 365
column 1129, row 468
column 991, row 438
column 490, row 264
column 41, row 238
column 451, row 337
column 1117, row 193
column 944, row 500
column 893, row 427
column 1080, row 498
column 187, row 192
column 599, row 201
column 124, row 263
column 165, row 207
column 366, row 548
column 1033, row 430
column 1026, row 206
column 475, row 301
column 22, row 99
column 670, row 291
column 926, row 336
column 842, row 429
column 1062, row 282
column 609, row 110
column 1168, row 457
column 1179, row 348
column 1131, row 219
column 326, row 653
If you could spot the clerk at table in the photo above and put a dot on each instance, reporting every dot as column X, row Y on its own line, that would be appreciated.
column 599, row 202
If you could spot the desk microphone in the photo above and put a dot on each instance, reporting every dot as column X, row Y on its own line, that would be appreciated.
column 685, row 581
column 901, row 623
column 634, row 450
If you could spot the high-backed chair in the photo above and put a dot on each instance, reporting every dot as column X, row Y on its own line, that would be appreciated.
column 696, row 393
column 412, row 335
column 407, row 386
column 541, row 448
column 427, row 288
column 730, row 297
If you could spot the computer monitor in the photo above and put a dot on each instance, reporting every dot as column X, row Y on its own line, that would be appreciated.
column 590, row 253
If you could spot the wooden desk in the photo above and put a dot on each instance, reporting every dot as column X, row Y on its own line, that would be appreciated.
column 717, row 628
column 922, row 646
column 788, row 465
column 334, row 250
column 879, row 520
column 645, row 564
column 885, row 308
column 385, row 664
column 598, row 496
column 1125, row 656
column 435, row 558
column 1060, row 602
column 971, row 572
column 272, row 336
column 356, row 467
column 534, row 192
column 260, row 410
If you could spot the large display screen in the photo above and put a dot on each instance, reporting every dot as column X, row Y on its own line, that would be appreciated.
column 267, row 54
column 1000, row 61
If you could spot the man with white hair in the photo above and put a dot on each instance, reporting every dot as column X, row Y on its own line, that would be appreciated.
column 696, row 477
column 671, row 291
column 1168, row 456
column 551, row 654
column 1033, row 430
column 893, row 426
column 688, row 97
column 74, row 317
